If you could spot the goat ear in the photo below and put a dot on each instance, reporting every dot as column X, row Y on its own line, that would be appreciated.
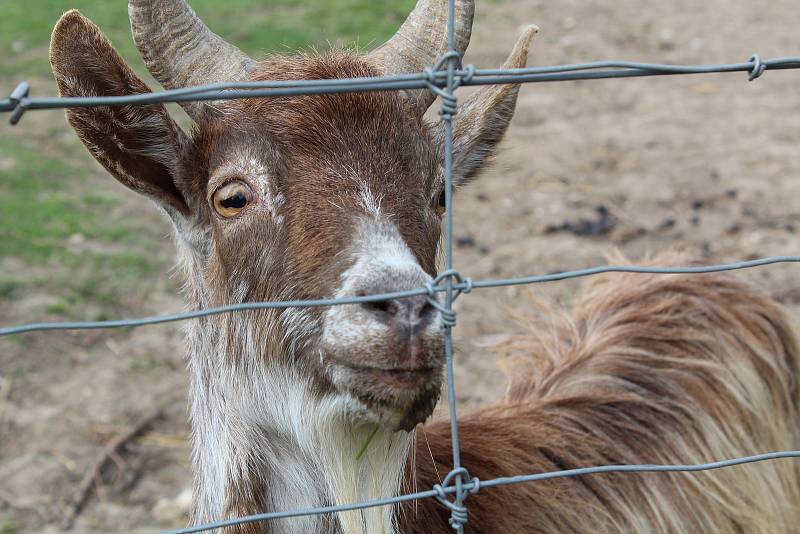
column 483, row 119
column 141, row 146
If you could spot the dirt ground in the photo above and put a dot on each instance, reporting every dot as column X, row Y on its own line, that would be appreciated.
column 707, row 164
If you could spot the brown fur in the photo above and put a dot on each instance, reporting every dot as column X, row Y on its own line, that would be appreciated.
column 648, row 369
column 311, row 141
column 124, row 152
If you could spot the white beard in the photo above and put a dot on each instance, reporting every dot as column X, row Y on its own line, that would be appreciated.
column 308, row 447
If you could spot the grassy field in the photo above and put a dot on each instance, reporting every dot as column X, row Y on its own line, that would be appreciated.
column 256, row 26
column 69, row 232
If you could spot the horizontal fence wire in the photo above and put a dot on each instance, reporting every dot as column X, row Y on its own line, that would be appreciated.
column 502, row 481
column 467, row 284
column 445, row 78
column 19, row 101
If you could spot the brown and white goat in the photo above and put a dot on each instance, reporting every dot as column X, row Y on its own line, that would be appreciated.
column 309, row 197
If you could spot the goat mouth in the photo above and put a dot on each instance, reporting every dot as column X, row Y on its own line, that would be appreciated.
column 394, row 377
column 397, row 396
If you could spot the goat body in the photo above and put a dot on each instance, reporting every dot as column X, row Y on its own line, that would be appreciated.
column 661, row 369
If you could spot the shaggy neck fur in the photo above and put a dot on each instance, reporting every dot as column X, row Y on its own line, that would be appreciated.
column 265, row 440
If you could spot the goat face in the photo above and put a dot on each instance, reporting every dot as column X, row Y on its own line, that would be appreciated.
column 301, row 197
column 339, row 196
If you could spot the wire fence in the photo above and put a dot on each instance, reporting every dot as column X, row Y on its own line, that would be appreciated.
column 19, row 100
column 443, row 78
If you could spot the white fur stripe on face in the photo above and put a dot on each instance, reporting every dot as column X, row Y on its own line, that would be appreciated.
column 383, row 263
column 371, row 205
column 379, row 243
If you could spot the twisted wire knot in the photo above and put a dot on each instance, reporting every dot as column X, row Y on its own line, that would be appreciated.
column 458, row 512
column 449, row 101
column 449, row 106
column 469, row 72
column 758, row 67
column 461, row 285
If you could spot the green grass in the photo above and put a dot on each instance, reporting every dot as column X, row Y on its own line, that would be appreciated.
column 49, row 221
column 38, row 213
column 256, row 26
column 42, row 208
column 10, row 289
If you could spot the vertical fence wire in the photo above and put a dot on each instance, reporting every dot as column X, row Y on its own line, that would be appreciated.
column 449, row 108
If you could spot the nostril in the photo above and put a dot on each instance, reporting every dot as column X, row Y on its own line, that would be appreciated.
column 413, row 311
column 400, row 310
column 382, row 306
column 427, row 310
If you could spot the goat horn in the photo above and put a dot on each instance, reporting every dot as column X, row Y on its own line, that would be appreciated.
column 180, row 51
column 421, row 40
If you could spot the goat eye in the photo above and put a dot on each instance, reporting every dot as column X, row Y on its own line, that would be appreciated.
column 442, row 203
column 230, row 199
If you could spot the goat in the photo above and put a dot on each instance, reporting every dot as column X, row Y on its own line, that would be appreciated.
column 310, row 197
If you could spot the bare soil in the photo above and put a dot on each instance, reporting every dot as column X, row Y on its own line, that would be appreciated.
column 707, row 164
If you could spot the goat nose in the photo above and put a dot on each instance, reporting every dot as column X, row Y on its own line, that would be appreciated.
column 409, row 312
